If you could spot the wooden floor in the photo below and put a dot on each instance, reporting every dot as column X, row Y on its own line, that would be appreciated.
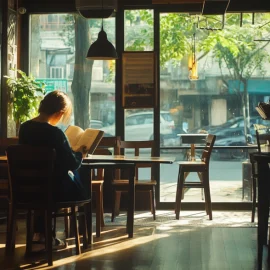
column 168, row 248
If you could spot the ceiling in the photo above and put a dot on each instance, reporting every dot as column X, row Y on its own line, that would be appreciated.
column 193, row 6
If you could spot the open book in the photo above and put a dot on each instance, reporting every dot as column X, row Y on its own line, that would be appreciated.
column 78, row 138
column 264, row 110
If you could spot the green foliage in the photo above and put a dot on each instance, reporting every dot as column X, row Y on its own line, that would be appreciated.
column 25, row 95
column 139, row 35
column 68, row 29
column 233, row 47
column 68, row 32
column 176, row 32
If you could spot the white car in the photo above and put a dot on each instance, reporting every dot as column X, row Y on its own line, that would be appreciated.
column 139, row 126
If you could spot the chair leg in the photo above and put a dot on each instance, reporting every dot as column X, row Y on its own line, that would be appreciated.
column 153, row 202
column 11, row 230
column 181, row 179
column 206, row 184
column 67, row 223
column 98, row 212
column 84, row 228
column 88, row 215
column 101, row 207
column 178, row 187
column 76, row 231
column 206, row 202
column 29, row 233
column 254, row 198
column 185, row 176
column 200, row 177
column 115, row 204
column 48, row 236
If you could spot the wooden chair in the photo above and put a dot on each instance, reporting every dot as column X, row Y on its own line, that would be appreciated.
column 4, row 189
column 107, row 146
column 148, row 185
column 30, row 181
column 202, row 168
column 262, row 136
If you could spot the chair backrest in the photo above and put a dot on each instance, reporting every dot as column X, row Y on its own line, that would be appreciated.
column 4, row 143
column 31, row 175
column 138, row 147
column 107, row 146
column 206, row 154
column 262, row 136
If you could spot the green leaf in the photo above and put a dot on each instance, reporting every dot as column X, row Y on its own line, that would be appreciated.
column 25, row 95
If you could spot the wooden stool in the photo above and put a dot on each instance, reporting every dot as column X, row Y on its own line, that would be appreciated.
column 202, row 169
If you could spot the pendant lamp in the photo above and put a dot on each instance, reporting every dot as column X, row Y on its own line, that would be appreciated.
column 102, row 48
column 192, row 61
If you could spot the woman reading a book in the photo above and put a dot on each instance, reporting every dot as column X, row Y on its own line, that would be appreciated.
column 42, row 131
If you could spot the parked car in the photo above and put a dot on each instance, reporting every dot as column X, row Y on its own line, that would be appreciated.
column 139, row 127
column 96, row 124
column 232, row 123
column 231, row 137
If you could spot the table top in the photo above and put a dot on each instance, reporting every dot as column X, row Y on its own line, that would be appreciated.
column 128, row 158
column 120, row 158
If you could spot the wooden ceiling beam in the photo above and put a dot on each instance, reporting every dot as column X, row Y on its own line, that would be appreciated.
column 168, row 2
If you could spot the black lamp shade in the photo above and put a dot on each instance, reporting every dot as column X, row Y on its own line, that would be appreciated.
column 102, row 48
column 96, row 14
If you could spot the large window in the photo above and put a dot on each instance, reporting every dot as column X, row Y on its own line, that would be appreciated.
column 214, row 71
column 58, row 59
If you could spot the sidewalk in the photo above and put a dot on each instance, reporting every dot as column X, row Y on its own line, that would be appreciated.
column 221, row 191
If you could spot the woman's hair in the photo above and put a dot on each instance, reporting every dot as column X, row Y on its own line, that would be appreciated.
column 54, row 102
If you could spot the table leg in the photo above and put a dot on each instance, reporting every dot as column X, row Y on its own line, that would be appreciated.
column 192, row 152
column 131, row 202
column 86, row 178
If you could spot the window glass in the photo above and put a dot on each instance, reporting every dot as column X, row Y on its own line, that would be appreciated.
column 131, row 121
column 210, row 82
column 58, row 48
column 139, row 30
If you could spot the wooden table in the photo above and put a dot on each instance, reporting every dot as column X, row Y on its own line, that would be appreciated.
column 263, row 160
column 118, row 161
column 193, row 139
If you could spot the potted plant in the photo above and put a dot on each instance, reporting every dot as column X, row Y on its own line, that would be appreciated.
column 24, row 96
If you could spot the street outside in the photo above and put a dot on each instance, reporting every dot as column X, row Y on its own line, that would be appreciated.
column 225, row 181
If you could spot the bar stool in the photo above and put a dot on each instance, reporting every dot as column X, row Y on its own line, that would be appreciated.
column 202, row 169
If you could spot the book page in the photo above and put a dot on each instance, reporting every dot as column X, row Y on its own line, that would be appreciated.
column 73, row 134
column 90, row 139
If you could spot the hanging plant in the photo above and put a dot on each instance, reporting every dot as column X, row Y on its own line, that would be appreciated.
column 24, row 96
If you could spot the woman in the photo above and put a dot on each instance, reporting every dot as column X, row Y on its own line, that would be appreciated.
column 42, row 131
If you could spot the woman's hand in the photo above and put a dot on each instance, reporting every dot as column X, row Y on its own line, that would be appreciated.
column 83, row 150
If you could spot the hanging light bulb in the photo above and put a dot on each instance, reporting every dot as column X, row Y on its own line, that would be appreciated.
column 192, row 62
column 102, row 48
